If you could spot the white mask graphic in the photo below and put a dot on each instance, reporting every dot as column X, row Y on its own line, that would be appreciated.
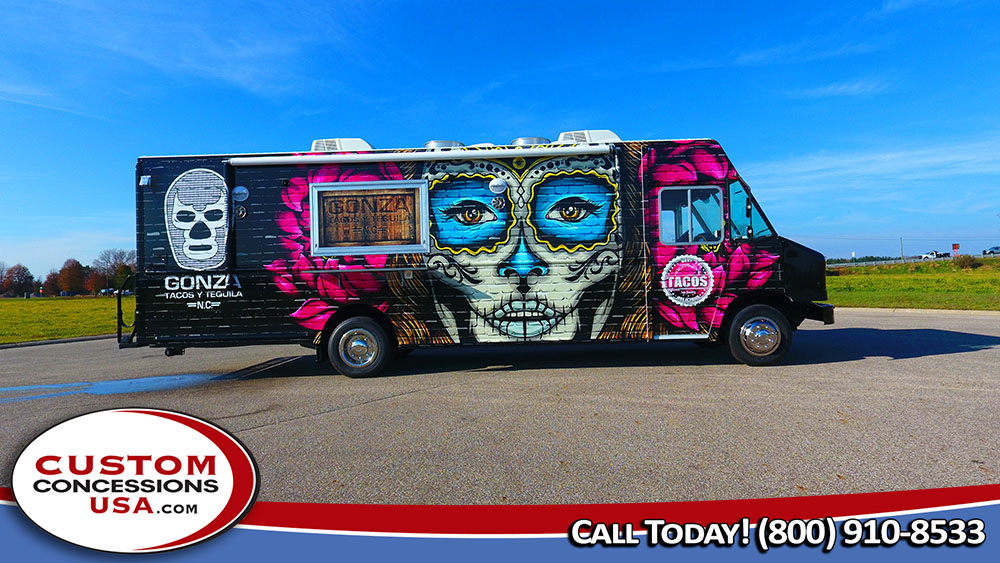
column 196, row 215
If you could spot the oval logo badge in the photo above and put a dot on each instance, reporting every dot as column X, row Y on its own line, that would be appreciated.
column 687, row 280
column 135, row 480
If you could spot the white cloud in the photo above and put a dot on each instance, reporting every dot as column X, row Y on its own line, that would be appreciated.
column 258, row 50
column 861, row 87
column 858, row 170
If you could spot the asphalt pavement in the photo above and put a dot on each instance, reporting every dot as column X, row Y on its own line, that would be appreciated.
column 879, row 401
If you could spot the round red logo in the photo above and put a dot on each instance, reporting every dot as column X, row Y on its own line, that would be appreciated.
column 687, row 280
column 135, row 480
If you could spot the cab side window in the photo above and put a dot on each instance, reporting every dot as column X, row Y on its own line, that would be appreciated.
column 690, row 215
column 743, row 225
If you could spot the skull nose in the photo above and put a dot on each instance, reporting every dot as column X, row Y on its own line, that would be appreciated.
column 200, row 231
column 523, row 263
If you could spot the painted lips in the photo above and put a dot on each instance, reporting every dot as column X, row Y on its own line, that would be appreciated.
column 524, row 319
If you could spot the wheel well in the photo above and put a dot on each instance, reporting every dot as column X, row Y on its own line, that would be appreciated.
column 347, row 312
column 777, row 300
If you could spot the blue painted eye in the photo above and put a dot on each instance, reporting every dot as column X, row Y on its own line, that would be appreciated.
column 572, row 210
column 463, row 215
column 469, row 212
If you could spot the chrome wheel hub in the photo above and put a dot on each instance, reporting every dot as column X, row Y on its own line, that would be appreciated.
column 760, row 336
column 358, row 347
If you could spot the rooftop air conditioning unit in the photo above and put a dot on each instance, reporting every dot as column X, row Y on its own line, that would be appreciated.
column 443, row 144
column 340, row 144
column 589, row 136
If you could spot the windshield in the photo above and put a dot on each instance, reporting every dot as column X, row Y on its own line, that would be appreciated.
column 741, row 224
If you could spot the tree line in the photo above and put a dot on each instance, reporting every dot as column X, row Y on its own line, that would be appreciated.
column 108, row 271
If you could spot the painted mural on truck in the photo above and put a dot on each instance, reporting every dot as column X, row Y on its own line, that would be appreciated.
column 545, row 249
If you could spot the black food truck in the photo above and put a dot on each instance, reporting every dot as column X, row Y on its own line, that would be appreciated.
column 365, row 254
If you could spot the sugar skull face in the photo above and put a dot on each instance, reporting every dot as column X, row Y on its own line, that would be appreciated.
column 525, row 251
column 196, row 209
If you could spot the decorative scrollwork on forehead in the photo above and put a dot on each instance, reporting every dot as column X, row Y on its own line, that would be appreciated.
column 437, row 170
column 602, row 165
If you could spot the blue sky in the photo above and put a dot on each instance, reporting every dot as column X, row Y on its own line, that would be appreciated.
column 856, row 123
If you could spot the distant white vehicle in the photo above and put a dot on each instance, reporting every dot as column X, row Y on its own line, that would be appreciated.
column 992, row 251
column 933, row 255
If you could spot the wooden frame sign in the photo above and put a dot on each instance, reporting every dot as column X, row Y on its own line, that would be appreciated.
column 389, row 217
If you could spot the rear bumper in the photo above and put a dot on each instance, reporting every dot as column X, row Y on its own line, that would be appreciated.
column 819, row 312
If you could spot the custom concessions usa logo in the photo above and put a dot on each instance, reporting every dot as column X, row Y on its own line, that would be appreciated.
column 135, row 480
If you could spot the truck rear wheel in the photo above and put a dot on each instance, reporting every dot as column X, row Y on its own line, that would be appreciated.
column 759, row 335
column 359, row 347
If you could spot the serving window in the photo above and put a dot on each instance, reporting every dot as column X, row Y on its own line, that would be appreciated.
column 352, row 218
column 690, row 215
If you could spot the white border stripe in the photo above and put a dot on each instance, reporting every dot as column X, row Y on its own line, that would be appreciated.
column 555, row 535
column 558, row 535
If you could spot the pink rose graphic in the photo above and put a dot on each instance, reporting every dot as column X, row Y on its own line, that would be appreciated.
column 694, row 162
column 338, row 280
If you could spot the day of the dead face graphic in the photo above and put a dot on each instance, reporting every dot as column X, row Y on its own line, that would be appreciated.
column 196, row 206
column 518, row 247
column 546, row 249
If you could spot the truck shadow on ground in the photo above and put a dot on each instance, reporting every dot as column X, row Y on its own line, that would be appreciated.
column 810, row 347
column 847, row 344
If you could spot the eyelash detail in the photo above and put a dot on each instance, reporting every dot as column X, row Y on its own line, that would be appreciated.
column 470, row 213
column 572, row 210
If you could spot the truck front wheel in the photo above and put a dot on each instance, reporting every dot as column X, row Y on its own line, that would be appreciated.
column 359, row 347
column 759, row 335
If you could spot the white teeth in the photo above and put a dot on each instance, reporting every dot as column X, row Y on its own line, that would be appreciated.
column 523, row 319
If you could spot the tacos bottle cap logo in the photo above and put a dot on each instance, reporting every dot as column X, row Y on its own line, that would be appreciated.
column 135, row 480
column 687, row 280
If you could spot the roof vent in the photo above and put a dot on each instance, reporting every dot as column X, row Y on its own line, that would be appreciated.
column 340, row 144
column 589, row 136
column 527, row 141
column 442, row 144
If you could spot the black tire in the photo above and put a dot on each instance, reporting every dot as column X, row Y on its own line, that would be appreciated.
column 759, row 335
column 368, row 354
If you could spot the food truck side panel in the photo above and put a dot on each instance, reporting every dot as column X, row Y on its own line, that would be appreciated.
column 567, row 248
column 190, row 287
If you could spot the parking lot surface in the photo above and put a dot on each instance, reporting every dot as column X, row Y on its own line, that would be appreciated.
column 879, row 401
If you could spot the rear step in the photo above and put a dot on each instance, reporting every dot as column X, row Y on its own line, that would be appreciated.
column 128, row 341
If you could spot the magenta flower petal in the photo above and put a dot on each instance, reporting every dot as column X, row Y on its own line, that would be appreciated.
column 669, row 314
column 313, row 314
column 759, row 278
column 289, row 222
column 377, row 261
column 296, row 191
column 739, row 263
column 329, row 287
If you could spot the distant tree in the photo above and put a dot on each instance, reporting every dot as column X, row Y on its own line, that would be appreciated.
column 50, row 286
column 95, row 282
column 71, row 276
column 108, row 261
column 3, row 271
column 18, row 280
column 121, row 273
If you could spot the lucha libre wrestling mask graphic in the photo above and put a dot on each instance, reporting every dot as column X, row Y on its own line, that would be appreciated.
column 196, row 209
column 526, row 251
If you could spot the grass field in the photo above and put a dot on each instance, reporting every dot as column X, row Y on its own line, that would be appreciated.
column 927, row 285
column 23, row 320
